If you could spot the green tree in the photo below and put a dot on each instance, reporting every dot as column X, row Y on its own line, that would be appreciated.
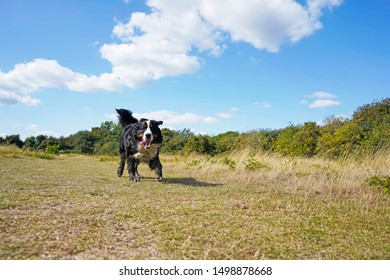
column 257, row 139
column 343, row 141
column 13, row 140
column 30, row 142
column 107, row 126
column 304, row 141
column 374, row 121
column 39, row 142
column 283, row 144
column 82, row 142
column 225, row 142
column 173, row 141
column 367, row 132
column 199, row 144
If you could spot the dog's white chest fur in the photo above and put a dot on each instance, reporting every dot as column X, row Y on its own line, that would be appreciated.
column 147, row 154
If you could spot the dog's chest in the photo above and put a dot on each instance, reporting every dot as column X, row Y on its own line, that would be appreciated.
column 147, row 154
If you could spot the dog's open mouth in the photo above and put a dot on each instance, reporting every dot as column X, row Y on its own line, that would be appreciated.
column 146, row 143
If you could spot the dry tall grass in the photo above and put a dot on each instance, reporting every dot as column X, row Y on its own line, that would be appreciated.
column 238, row 206
column 332, row 179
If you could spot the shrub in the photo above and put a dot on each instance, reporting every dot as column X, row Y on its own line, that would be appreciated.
column 344, row 141
column 254, row 165
column 174, row 141
column 305, row 140
column 283, row 143
column 199, row 144
column 257, row 140
column 381, row 183
column 225, row 142
column 298, row 140
column 53, row 149
column 230, row 163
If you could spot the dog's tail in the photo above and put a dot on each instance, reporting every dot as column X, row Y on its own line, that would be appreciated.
column 125, row 117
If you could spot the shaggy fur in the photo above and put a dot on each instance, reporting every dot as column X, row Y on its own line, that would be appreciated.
column 140, row 142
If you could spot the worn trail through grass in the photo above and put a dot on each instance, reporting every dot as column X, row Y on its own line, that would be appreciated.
column 75, row 207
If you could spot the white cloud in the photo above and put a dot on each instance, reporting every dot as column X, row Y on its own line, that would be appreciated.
column 322, row 103
column 17, row 85
column 171, row 117
column 94, row 44
column 32, row 76
column 224, row 115
column 111, row 116
column 11, row 98
column 165, row 42
column 321, row 94
column 315, row 7
column 266, row 105
column 104, row 82
column 227, row 115
column 32, row 127
column 303, row 102
column 262, row 23
column 26, row 78
column 323, row 100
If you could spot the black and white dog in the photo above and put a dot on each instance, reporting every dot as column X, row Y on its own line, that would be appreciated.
column 140, row 142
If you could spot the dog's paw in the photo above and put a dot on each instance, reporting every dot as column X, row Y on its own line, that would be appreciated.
column 159, row 179
column 120, row 170
column 135, row 179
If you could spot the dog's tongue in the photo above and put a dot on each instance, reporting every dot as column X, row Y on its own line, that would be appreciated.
column 147, row 144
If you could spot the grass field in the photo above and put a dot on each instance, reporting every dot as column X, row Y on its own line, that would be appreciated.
column 243, row 206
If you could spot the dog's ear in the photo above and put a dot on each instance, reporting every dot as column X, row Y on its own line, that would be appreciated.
column 156, row 123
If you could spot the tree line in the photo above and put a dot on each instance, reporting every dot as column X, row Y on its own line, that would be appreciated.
column 368, row 131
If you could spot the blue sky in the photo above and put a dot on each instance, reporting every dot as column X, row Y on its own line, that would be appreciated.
column 211, row 66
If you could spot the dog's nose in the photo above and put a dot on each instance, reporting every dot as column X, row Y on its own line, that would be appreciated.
column 148, row 136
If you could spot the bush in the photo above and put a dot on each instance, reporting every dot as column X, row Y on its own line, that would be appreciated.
column 305, row 140
column 257, row 140
column 374, row 120
column 344, row 141
column 225, row 142
column 53, row 149
column 199, row 144
column 230, row 163
column 298, row 140
column 381, row 183
column 254, row 165
column 174, row 140
column 283, row 143
column 367, row 132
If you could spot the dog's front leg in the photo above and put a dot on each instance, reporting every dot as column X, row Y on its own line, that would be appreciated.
column 132, row 165
column 156, row 165
column 136, row 170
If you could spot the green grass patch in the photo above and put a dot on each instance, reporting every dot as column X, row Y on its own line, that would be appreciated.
column 382, row 183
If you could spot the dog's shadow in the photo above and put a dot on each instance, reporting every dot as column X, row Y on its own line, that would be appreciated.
column 191, row 182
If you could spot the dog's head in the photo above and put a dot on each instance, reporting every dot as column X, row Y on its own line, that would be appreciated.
column 149, row 133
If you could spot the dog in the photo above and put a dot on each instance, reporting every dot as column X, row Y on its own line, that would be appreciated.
column 140, row 141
